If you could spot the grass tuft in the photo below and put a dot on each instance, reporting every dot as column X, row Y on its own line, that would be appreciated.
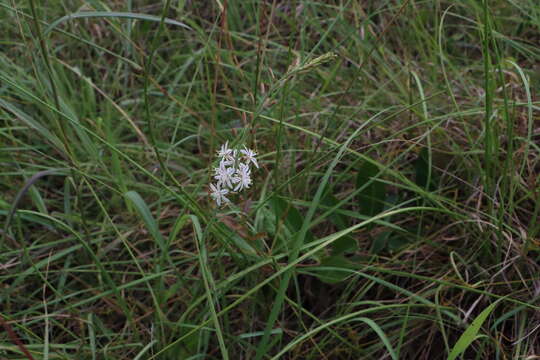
column 395, row 213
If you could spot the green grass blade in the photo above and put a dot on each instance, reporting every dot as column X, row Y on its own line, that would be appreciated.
column 209, row 285
column 112, row 14
column 469, row 335
column 148, row 219
column 381, row 335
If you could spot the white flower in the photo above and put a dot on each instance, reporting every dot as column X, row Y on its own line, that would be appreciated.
column 249, row 156
column 219, row 194
column 243, row 178
column 226, row 153
column 233, row 173
column 224, row 174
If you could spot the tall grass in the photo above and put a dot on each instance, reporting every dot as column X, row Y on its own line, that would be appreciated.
column 395, row 214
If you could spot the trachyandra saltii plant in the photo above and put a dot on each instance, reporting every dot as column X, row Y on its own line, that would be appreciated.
column 233, row 173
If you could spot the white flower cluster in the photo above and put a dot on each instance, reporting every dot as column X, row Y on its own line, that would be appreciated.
column 233, row 173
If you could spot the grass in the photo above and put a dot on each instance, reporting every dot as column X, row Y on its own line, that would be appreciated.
column 395, row 214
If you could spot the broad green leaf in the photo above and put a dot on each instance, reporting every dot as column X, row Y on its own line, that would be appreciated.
column 384, row 240
column 341, row 222
column 470, row 333
column 187, row 348
column 424, row 175
column 146, row 215
column 372, row 196
column 396, row 242
column 379, row 242
column 334, row 269
column 286, row 212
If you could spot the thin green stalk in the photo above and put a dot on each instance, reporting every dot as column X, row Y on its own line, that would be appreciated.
column 52, row 83
column 209, row 285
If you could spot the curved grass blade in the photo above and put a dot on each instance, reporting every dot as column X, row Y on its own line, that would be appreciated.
column 22, row 192
column 372, row 324
column 113, row 14
column 470, row 333
column 342, row 320
column 31, row 123
column 146, row 215
column 144, row 350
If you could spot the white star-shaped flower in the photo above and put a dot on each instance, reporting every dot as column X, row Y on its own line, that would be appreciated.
column 243, row 178
column 225, row 152
column 224, row 175
column 219, row 194
column 249, row 156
